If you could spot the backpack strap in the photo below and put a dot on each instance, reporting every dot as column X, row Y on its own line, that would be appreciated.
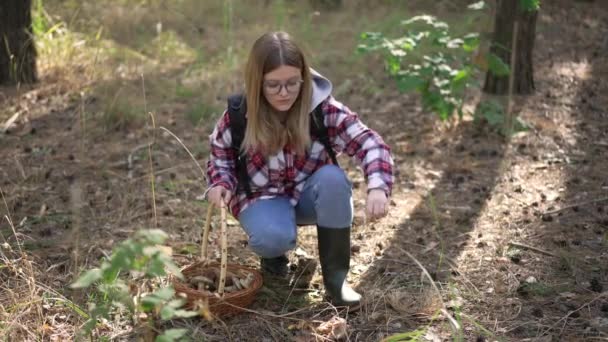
column 319, row 130
column 237, row 108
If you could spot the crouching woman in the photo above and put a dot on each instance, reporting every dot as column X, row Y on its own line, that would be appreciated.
column 273, row 163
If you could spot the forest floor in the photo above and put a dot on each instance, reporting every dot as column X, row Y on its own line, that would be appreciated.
column 513, row 232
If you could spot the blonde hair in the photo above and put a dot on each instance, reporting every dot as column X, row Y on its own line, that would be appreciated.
column 265, row 130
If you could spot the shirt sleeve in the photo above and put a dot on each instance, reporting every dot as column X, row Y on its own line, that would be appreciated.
column 221, row 163
column 351, row 136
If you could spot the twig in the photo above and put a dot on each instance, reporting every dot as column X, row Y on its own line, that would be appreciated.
column 205, row 233
column 603, row 294
column 285, row 315
column 130, row 157
column 152, row 176
column 295, row 283
column 187, row 150
column 426, row 273
column 550, row 212
column 10, row 222
column 20, row 167
column 530, row 248
column 7, row 125
column 224, row 250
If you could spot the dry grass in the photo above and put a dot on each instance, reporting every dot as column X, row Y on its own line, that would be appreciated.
column 30, row 308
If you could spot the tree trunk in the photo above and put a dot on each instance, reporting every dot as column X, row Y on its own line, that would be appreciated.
column 17, row 50
column 507, row 12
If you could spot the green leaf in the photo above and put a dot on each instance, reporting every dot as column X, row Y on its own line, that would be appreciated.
column 445, row 69
column 166, row 312
column 460, row 79
column 153, row 300
column 415, row 335
column 155, row 236
column 150, row 250
column 394, row 65
column 165, row 293
column 407, row 83
column 494, row 118
column 471, row 42
column 149, row 303
column 492, row 111
column 185, row 313
column 371, row 35
column 397, row 52
column 409, row 44
column 427, row 19
column 172, row 267
column 520, row 126
column 88, row 278
column 441, row 26
column 455, row 43
column 176, row 303
column 497, row 66
column 120, row 260
column 529, row 5
column 477, row 6
column 171, row 335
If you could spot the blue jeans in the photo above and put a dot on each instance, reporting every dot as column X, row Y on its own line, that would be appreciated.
column 326, row 200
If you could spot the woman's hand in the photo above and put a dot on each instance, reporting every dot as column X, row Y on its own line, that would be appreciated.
column 377, row 204
column 219, row 194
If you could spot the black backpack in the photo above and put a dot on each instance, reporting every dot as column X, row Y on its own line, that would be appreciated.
column 237, row 107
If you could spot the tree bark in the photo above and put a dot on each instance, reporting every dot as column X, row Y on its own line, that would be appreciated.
column 17, row 50
column 507, row 12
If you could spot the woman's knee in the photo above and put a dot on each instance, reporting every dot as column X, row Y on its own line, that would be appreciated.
column 270, row 225
column 333, row 204
column 272, row 241
column 332, row 177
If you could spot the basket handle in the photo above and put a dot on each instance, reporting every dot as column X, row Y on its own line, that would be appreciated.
column 205, row 236
column 224, row 244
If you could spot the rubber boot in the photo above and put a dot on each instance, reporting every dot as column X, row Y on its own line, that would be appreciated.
column 334, row 255
column 275, row 266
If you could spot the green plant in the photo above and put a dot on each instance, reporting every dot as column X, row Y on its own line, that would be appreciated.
column 144, row 255
column 530, row 5
column 494, row 114
column 39, row 20
column 438, row 64
column 415, row 335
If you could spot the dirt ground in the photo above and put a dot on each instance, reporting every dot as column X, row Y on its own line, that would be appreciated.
column 514, row 233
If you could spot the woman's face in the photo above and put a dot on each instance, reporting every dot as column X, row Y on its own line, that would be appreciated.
column 281, row 87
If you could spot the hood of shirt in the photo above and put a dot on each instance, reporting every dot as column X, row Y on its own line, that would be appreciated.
column 321, row 88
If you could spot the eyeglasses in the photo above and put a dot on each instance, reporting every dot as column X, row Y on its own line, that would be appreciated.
column 275, row 87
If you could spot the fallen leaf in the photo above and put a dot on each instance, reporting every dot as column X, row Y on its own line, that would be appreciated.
column 335, row 327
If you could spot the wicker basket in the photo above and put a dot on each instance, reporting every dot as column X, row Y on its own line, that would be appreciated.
column 219, row 303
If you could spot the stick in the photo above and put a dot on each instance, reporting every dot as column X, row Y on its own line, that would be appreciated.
column 205, row 235
column 7, row 125
column 444, row 311
column 224, row 249
column 530, row 248
column 130, row 157
column 187, row 150
column 603, row 294
column 575, row 205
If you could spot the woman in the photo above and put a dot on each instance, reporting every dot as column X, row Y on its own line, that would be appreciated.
column 291, row 179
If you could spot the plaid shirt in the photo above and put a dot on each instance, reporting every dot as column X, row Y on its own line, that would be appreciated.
column 285, row 173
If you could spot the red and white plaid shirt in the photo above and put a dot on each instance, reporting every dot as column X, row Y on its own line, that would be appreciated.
column 285, row 173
